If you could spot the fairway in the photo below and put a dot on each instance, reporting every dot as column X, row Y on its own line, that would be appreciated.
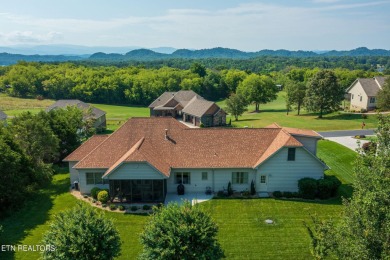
column 243, row 233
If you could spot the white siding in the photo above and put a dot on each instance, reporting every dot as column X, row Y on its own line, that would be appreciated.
column 357, row 91
column 74, row 174
column 218, row 179
column 84, row 188
column 309, row 143
column 283, row 175
column 135, row 171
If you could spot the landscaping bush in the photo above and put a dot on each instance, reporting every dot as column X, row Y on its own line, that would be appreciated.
column 221, row 194
column 146, row 207
column 121, row 207
column 104, row 205
column 103, row 196
column 253, row 188
column 369, row 147
column 93, row 201
column 288, row 194
column 246, row 193
column 94, row 192
column 277, row 194
column 229, row 189
column 134, row 208
column 335, row 184
column 307, row 188
column 112, row 206
column 325, row 187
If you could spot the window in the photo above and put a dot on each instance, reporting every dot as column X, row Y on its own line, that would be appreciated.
column 352, row 96
column 94, row 178
column 361, row 98
column 204, row 176
column 239, row 177
column 182, row 177
column 372, row 100
column 263, row 179
column 291, row 154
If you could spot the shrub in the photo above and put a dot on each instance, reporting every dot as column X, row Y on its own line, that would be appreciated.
column 246, row 193
column 134, row 208
column 288, row 194
column 335, row 184
column 104, row 205
column 369, row 147
column 325, row 187
column 93, row 201
column 146, row 207
column 221, row 193
column 82, row 222
column 193, row 228
column 277, row 194
column 85, row 196
column 201, row 125
column 112, row 206
column 229, row 189
column 307, row 188
column 103, row 196
column 296, row 195
column 253, row 188
column 94, row 192
column 121, row 207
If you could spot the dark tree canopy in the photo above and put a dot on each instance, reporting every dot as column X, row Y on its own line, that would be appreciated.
column 383, row 96
column 324, row 93
column 180, row 232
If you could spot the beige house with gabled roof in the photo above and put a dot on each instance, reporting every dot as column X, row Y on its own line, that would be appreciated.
column 363, row 93
column 189, row 107
column 147, row 158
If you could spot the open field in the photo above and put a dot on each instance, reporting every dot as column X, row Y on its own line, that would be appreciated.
column 269, row 113
column 242, row 231
column 276, row 112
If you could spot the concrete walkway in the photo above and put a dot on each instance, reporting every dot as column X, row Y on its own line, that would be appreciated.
column 192, row 197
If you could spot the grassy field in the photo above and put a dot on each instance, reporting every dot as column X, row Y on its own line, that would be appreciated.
column 269, row 113
column 242, row 231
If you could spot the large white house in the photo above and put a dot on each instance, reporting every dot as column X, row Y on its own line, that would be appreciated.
column 147, row 158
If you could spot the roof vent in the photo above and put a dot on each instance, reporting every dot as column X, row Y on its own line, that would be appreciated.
column 166, row 134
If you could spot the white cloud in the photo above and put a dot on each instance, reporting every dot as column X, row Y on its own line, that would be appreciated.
column 29, row 37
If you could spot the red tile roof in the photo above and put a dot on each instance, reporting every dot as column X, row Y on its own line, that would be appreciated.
column 144, row 140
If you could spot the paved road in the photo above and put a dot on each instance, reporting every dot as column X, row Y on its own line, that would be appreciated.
column 347, row 133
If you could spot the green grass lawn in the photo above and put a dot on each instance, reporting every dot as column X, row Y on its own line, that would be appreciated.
column 242, row 231
column 275, row 111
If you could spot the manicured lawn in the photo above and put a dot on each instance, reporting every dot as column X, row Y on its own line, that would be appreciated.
column 242, row 231
column 276, row 112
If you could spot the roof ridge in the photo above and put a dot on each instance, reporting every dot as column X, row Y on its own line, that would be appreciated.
column 91, row 150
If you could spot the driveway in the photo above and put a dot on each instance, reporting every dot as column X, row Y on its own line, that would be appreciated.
column 346, row 137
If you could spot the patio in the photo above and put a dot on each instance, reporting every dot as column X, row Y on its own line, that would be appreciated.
column 192, row 197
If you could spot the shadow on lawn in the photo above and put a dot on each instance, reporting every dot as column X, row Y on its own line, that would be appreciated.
column 34, row 212
column 342, row 117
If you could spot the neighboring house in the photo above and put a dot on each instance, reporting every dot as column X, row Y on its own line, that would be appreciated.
column 188, row 106
column 97, row 114
column 3, row 116
column 149, row 157
column 363, row 93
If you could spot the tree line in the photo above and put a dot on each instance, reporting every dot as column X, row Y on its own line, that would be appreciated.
column 30, row 145
column 140, row 86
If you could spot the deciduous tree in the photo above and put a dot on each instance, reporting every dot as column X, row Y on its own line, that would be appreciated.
column 236, row 105
column 383, row 96
column 323, row 93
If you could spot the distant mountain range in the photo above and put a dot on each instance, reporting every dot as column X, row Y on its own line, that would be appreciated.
column 68, row 53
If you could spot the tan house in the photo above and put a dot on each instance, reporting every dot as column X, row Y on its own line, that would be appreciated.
column 147, row 158
column 189, row 107
column 97, row 114
column 363, row 93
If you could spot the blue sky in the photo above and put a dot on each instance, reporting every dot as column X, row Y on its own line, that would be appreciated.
column 245, row 25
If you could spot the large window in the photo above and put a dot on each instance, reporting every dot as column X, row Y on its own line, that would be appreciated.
column 182, row 177
column 291, row 154
column 94, row 178
column 239, row 177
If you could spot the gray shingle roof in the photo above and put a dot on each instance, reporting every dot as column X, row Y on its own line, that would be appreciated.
column 197, row 107
column 63, row 103
column 3, row 116
column 180, row 96
column 371, row 86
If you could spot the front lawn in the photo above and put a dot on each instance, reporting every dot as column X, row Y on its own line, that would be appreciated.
column 243, row 233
